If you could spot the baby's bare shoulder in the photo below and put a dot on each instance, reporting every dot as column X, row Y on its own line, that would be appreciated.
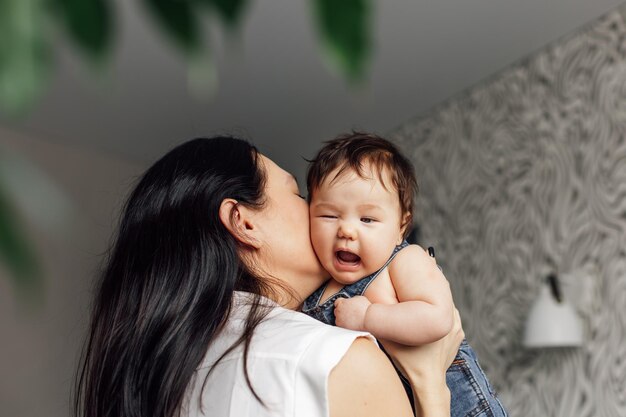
column 414, row 253
column 411, row 260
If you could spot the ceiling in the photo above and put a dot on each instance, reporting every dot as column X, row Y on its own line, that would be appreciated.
column 274, row 86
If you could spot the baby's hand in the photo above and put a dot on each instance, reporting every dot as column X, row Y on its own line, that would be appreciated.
column 350, row 312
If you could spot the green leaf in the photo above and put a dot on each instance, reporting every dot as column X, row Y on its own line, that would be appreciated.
column 179, row 19
column 24, row 58
column 230, row 11
column 89, row 24
column 345, row 30
column 16, row 253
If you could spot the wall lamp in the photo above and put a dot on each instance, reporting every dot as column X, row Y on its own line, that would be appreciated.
column 552, row 322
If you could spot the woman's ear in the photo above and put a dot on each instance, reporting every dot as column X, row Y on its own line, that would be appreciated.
column 239, row 221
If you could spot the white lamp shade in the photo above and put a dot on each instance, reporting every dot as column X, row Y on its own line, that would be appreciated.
column 552, row 324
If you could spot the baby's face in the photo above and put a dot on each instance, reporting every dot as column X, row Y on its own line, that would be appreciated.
column 355, row 224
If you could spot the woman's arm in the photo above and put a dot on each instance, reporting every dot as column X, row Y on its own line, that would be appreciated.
column 365, row 384
column 425, row 366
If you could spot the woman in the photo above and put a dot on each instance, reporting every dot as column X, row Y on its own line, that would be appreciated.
column 194, row 311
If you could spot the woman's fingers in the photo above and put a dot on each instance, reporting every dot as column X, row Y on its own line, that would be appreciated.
column 454, row 338
column 458, row 326
column 430, row 358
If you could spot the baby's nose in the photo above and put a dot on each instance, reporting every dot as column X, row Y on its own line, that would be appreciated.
column 346, row 231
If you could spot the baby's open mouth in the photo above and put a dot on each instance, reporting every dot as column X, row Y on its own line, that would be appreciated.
column 346, row 257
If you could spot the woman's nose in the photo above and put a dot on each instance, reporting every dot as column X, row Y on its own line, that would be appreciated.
column 346, row 231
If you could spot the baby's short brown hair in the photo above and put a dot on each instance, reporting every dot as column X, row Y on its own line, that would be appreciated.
column 351, row 151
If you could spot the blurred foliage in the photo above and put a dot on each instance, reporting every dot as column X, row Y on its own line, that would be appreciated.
column 344, row 27
column 26, row 60
column 24, row 53
column 89, row 23
column 16, row 254
column 180, row 20
column 27, row 25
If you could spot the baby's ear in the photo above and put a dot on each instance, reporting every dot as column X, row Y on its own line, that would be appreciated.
column 404, row 224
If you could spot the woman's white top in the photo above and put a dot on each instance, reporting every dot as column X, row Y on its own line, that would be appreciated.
column 290, row 358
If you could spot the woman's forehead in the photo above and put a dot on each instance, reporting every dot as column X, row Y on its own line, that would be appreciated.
column 276, row 172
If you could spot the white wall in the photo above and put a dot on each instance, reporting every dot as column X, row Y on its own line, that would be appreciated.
column 39, row 344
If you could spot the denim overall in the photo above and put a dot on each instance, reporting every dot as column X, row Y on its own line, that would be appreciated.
column 471, row 393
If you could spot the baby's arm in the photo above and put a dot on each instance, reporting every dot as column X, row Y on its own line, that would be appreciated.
column 425, row 311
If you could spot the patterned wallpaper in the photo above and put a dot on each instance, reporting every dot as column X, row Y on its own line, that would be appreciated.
column 522, row 175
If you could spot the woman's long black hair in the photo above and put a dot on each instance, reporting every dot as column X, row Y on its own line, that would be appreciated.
column 168, row 281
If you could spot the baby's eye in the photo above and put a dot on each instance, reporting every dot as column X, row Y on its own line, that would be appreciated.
column 367, row 219
column 328, row 216
column 301, row 196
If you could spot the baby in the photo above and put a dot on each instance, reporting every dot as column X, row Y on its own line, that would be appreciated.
column 361, row 191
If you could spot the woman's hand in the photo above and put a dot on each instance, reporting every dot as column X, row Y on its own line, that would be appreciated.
column 430, row 359
column 425, row 366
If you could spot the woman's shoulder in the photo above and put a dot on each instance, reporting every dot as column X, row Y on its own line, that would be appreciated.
column 301, row 333
column 283, row 334
column 291, row 335
column 289, row 361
